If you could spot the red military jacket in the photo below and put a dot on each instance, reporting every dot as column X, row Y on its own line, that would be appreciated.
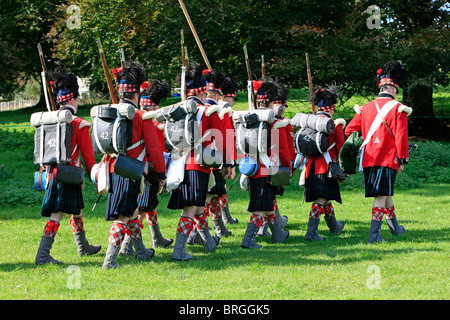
column 382, row 150
column 209, row 120
column 337, row 137
column 145, row 130
column 290, row 141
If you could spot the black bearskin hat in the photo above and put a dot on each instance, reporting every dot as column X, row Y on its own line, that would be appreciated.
column 214, row 79
column 131, row 77
column 228, row 87
column 157, row 91
column 65, row 85
column 393, row 73
column 194, row 78
column 268, row 91
column 325, row 98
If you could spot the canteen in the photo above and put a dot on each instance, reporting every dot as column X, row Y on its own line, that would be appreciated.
column 248, row 166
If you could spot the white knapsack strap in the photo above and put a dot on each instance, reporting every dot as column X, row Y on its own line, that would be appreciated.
column 326, row 155
column 94, row 129
column 137, row 144
column 379, row 120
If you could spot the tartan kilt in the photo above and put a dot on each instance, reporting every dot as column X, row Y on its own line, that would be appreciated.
column 148, row 200
column 220, row 186
column 122, row 197
column 320, row 186
column 379, row 181
column 191, row 192
column 262, row 195
column 64, row 197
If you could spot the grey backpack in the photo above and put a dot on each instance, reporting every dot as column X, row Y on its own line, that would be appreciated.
column 112, row 128
column 53, row 137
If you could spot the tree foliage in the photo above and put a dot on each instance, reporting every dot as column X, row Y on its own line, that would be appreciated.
column 341, row 46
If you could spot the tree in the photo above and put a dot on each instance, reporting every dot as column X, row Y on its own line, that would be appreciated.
column 24, row 24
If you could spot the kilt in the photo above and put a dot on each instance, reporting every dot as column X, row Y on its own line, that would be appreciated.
column 64, row 197
column 262, row 194
column 122, row 197
column 320, row 186
column 220, row 186
column 379, row 181
column 148, row 200
column 191, row 192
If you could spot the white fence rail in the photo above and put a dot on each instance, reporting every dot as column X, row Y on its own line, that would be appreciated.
column 16, row 104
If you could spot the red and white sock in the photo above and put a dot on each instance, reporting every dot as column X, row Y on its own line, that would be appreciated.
column 135, row 226
column 214, row 209
column 151, row 217
column 51, row 228
column 117, row 233
column 377, row 213
column 328, row 210
column 389, row 212
column 185, row 226
column 271, row 218
column 316, row 210
column 257, row 219
column 201, row 220
column 76, row 224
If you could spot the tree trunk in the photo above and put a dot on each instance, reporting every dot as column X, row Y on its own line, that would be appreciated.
column 423, row 122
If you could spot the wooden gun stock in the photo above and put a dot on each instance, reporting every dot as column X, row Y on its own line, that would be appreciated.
column 310, row 85
column 249, row 75
column 45, row 78
column 106, row 71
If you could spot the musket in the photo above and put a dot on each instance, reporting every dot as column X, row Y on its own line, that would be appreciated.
column 251, row 93
column 263, row 67
column 183, row 68
column 194, row 32
column 122, row 57
column 106, row 71
column 46, row 82
column 310, row 85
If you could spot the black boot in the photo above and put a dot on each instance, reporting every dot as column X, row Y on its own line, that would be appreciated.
column 396, row 229
column 110, row 257
column 334, row 226
column 209, row 242
column 312, row 231
column 179, row 249
column 84, row 248
column 249, row 240
column 142, row 254
column 278, row 235
column 43, row 255
column 374, row 234
column 157, row 238
column 220, row 229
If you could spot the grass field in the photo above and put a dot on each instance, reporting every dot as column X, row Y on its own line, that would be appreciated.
column 414, row 266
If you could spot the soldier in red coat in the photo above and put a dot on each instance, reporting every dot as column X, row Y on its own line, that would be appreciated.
column 226, row 114
column 152, row 94
column 123, row 193
column 383, row 124
column 319, row 188
column 262, row 192
column 63, row 198
column 190, row 195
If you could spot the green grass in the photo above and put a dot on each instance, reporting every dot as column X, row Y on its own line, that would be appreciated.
column 414, row 266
